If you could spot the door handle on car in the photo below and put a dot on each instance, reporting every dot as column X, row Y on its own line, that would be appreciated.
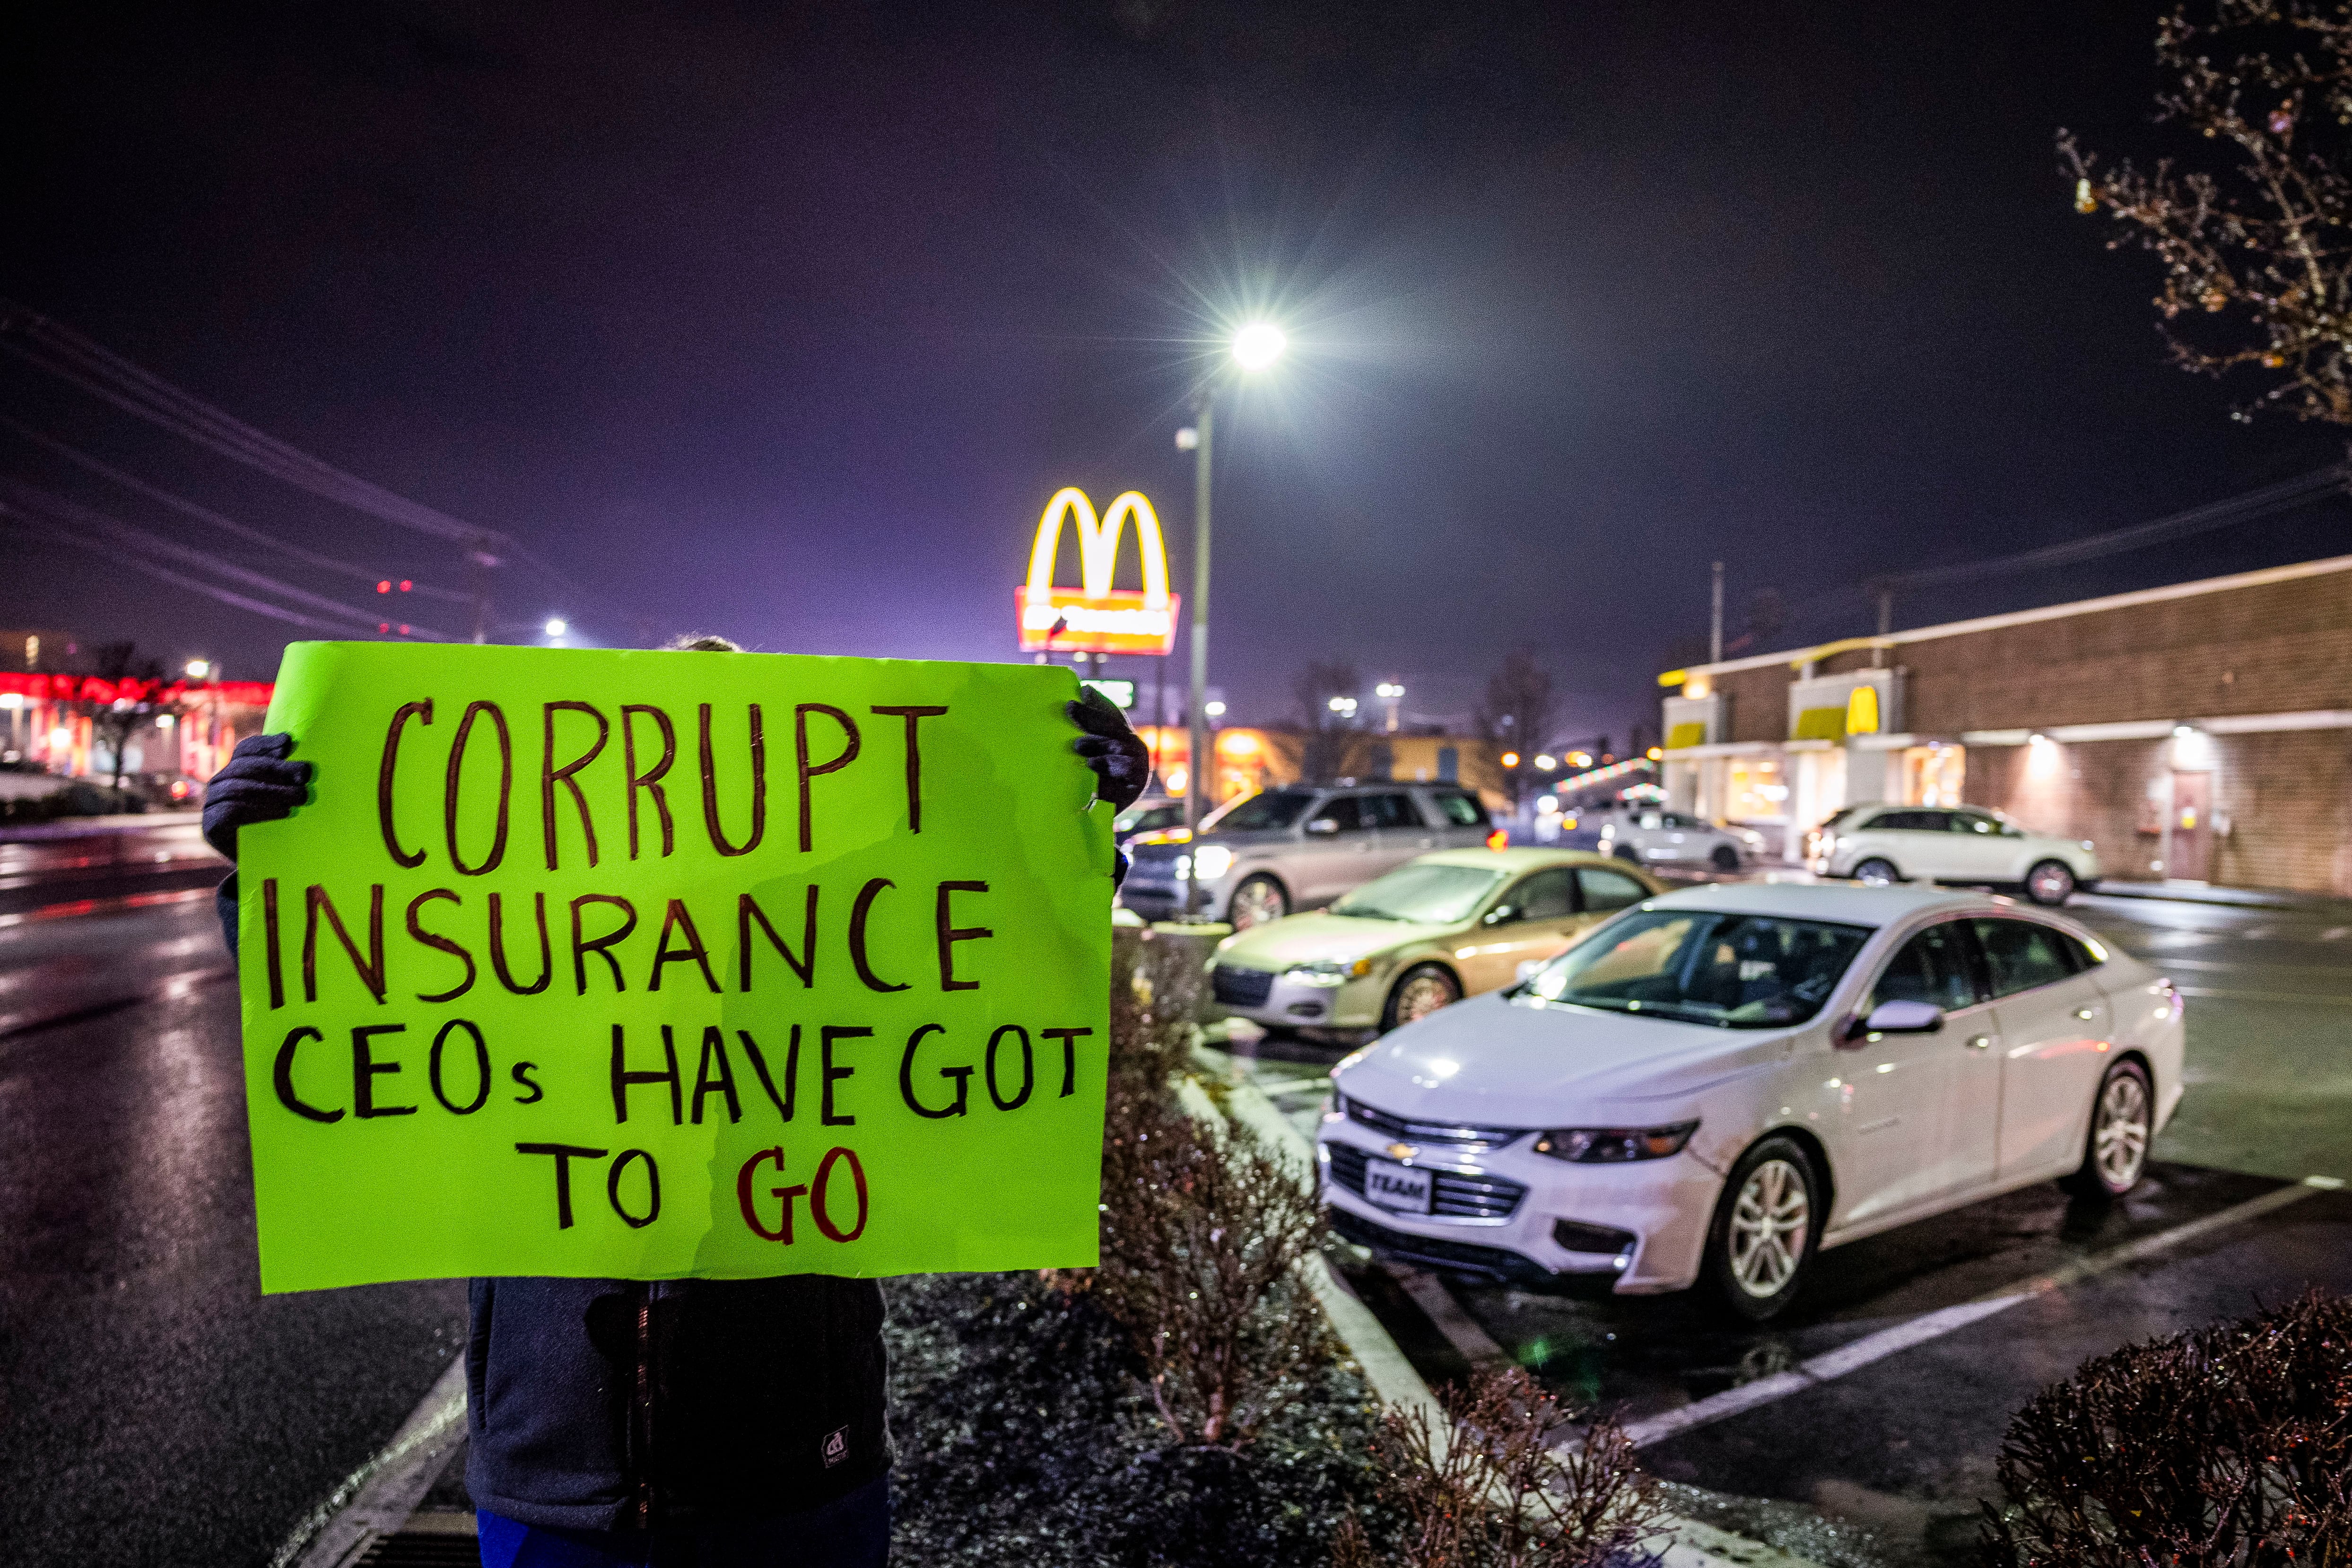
column 1982, row 1042
column 2087, row 1014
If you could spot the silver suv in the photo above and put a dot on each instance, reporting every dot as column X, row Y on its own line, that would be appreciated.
column 1265, row 855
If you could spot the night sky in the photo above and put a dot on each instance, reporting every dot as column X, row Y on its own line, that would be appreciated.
column 784, row 322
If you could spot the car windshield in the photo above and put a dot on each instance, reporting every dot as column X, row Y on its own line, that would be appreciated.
column 1273, row 809
column 1438, row 894
column 1698, row 966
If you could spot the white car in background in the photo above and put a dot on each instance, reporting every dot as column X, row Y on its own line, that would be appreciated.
column 1720, row 1082
column 1877, row 843
column 1652, row 836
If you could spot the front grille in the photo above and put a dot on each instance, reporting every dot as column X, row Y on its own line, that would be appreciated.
column 1451, row 1256
column 1242, row 987
column 1453, row 1195
column 1455, row 1136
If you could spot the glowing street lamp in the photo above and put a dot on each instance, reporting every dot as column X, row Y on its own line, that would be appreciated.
column 556, row 627
column 199, row 668
column 1256, row 346
column 1344, row 707
column 1546, row 764
column 1390, row 692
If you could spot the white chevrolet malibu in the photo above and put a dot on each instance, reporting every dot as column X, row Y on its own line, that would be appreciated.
column 1720, row 1082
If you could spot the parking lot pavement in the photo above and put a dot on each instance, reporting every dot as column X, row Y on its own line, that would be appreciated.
column 1899, row 1447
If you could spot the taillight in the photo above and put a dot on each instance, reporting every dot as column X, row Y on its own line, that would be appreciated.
column 1499, row 839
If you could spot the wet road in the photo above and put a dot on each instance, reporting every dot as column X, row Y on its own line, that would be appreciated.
column 157, row 1409
column 1899, row 1450
column 171, row 1415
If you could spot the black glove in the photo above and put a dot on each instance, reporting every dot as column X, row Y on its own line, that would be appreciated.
column 260, row 784
column 1121, row 761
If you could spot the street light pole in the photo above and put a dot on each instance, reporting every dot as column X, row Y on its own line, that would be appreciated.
column 1196, row 765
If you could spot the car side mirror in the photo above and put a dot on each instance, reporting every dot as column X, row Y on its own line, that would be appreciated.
column 1898, row 1018
column 1324, row 824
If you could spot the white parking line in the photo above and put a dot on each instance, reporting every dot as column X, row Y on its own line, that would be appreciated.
column 1919, row 1330
column 2334, row 933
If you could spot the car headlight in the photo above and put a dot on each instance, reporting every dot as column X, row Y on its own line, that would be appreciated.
column 1328, row 971
column 1616, row 1145
column 1214, row 861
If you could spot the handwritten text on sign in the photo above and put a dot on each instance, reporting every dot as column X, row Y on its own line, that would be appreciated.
column 647, row 965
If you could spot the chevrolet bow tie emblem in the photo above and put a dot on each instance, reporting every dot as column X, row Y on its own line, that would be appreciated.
column 1402, row 1150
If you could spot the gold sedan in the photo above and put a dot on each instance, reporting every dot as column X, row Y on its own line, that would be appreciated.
column 1432, row 932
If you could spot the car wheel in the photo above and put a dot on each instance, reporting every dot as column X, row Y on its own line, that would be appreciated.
column 1764, row 1227
column 1419, row 992
column 1726, row 858
column 2114, row 1151
column 1256, row 901
column 1627, row 852
column 2050, row 882
column 1877, row 872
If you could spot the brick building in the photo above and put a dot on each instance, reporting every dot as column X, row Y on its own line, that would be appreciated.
column 2199, row 732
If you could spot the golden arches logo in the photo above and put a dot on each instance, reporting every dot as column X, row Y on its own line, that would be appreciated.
column 1095, row 617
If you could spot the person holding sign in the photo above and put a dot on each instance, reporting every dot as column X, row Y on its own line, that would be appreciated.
column 716, row 1411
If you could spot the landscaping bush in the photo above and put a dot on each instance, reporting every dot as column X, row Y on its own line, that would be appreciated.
column 1027, row 1438
column 1506, row 1481
column 2227, row 1446
column 1204, row 1231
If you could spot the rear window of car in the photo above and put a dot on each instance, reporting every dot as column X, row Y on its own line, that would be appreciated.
column 1905, row 821
column 1273, row 808
column 1604, row 891
column 1459, row 809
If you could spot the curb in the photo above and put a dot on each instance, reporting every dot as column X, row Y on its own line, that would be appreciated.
column 1396, row 1380
column 2205, row 893
column 97, row 826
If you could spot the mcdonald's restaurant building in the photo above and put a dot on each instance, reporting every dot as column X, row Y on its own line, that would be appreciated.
column 2200, row 731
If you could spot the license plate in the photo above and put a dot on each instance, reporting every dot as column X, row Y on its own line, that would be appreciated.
column 1398, row 1188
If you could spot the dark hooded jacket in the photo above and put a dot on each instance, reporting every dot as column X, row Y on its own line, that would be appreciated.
column 622, row 1404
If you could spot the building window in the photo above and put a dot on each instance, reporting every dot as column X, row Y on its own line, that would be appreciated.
column 1933, row 776
column 1756, row 791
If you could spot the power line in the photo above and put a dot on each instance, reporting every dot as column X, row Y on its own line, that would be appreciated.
column 207, row 515
column 164, row 573
column 53, row 346
column 2335, row 479
column 62, row 514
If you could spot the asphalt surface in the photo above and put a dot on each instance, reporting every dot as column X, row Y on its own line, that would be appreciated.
column 1897, row 1454
column 155, row 1407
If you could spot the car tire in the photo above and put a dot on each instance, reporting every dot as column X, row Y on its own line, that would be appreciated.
column 1419, row 992
column 1257, row 900
column 2115, row 1148
column 1726, row 858
column 2049, row 883
column 1627, row 852
column 1761, row 1241
column 1876, row 872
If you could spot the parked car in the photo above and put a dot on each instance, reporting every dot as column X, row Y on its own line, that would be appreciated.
column 1437, row 928
column 1298, row 847
column 1717, row 1084
column 1152, row 814
column 1951, row 843
column 1652, row 836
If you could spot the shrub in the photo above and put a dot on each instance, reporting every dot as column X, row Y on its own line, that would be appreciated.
column 2226, row 1446
column 1500, row 1484
column 1204, row 1229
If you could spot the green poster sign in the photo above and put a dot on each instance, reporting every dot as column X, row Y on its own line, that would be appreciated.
column 654, row 964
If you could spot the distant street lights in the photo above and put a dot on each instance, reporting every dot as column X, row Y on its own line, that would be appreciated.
column 1255, row 347
column 556, row 627
column 1390, row 692
column 1344, row 707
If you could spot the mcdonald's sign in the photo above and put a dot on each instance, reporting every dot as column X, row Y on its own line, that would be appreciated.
column 1095, row 617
